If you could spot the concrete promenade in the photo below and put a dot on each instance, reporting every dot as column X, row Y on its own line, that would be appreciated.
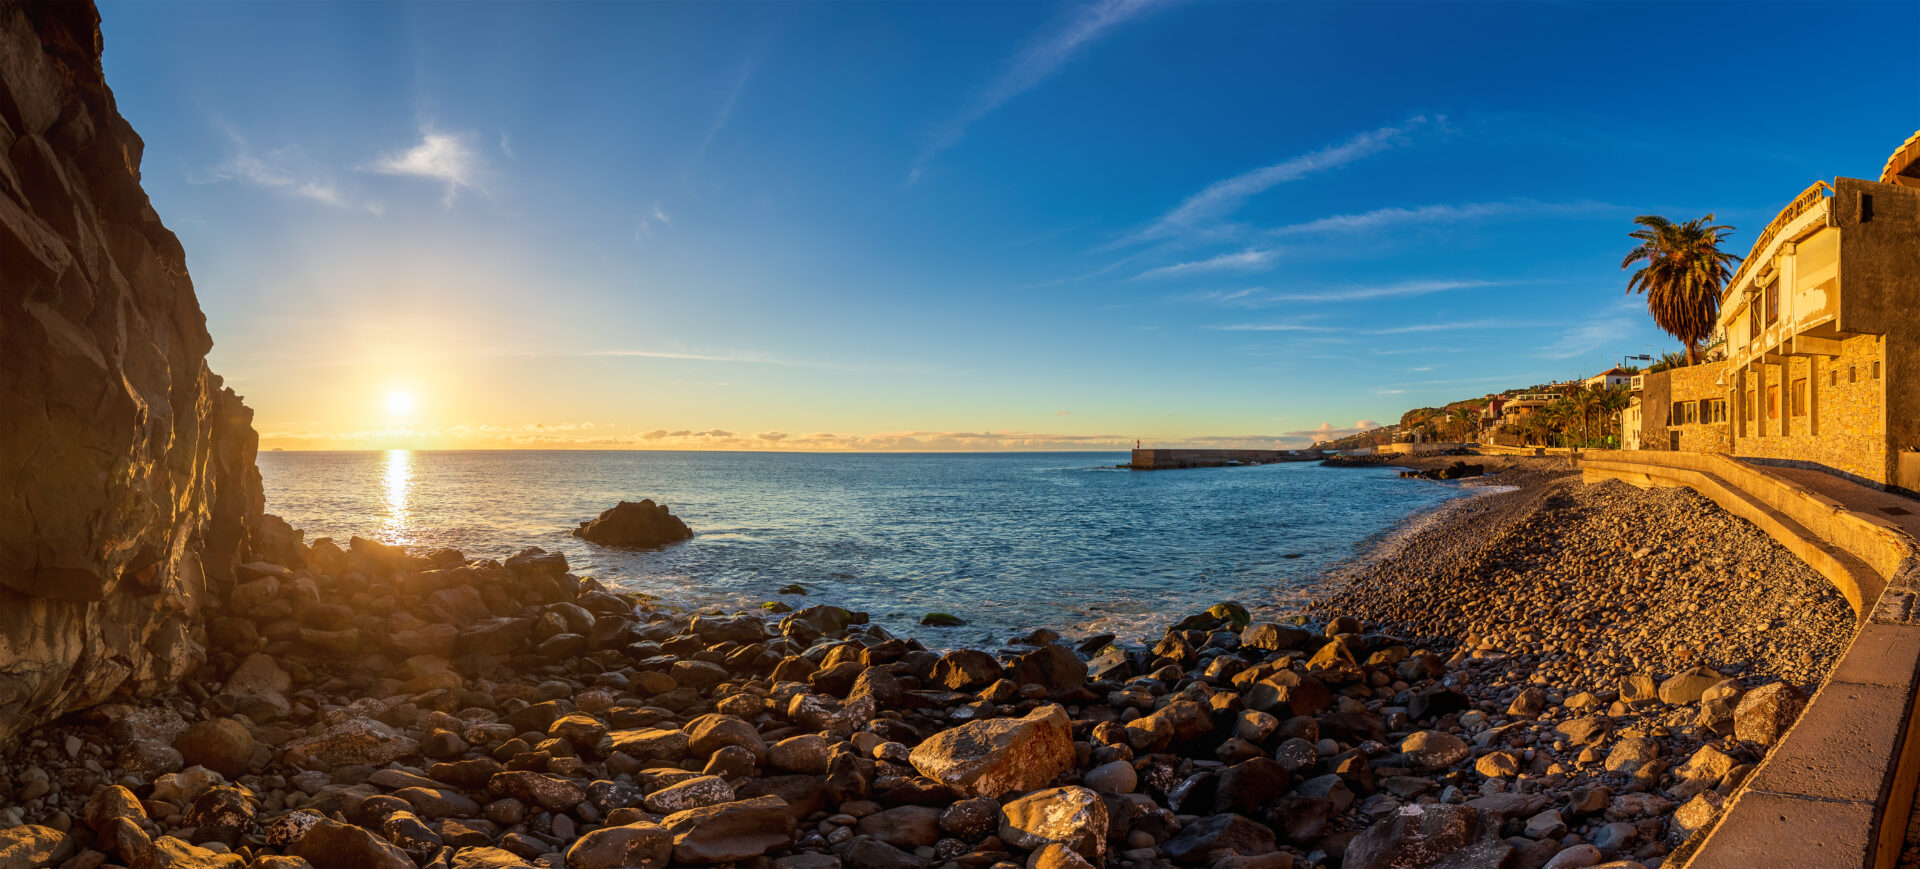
column 1838, row 790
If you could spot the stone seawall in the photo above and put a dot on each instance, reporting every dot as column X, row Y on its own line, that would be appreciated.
column 1161, row 460
column 127, row 479
column 1850, row 765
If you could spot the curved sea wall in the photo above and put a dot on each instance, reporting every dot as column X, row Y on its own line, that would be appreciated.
column 1849, row 766
column 127, row 479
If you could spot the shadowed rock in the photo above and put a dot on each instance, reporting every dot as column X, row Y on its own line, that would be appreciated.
column 634, row 524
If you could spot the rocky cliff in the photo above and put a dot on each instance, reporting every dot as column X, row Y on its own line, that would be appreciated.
column 127, row 479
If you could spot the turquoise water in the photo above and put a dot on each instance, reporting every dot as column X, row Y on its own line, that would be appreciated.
column 1009, row 542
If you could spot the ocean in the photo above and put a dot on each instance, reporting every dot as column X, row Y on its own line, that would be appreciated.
column 1007, row 541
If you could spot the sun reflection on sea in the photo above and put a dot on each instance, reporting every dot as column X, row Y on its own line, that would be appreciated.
column 397, row 528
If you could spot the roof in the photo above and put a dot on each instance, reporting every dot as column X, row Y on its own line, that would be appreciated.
column 1903, row 167
column 1620, row 371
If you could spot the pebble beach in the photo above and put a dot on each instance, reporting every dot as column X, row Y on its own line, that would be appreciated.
column 1548, row 674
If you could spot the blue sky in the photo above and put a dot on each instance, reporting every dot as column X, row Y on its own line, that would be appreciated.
column 955, row 226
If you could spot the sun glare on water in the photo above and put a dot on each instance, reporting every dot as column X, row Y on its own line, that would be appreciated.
column 400, row 404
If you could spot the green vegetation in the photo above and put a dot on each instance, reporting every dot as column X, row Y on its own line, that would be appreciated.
column 1684, row 272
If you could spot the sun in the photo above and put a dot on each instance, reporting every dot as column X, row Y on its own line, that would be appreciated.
column 400, row 404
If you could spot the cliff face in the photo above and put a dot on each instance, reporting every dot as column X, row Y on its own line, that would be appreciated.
column 127, row 479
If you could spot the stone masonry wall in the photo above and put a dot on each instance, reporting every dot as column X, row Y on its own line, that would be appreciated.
column 1844, row 428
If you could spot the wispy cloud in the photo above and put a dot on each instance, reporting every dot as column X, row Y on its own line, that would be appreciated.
column 1381, row 218
column 447, row 157
column 1251, row 259
column 1260, row 297
column 1039, row 60
column 286, row 170
column 1456, row 326
column 1270, row 327
column 1225, row 196
column 656, row 217
column 725, row 113
column 1608, row 328
column 1402, row 289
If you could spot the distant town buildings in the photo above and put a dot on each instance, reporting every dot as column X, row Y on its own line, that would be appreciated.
column 1822, row 353
column 1612, row 378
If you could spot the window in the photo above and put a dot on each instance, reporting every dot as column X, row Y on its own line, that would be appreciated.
column 1753, row 318
column 1713, row 410
column 1773, row 401
column 1773, row 302
column 1800, row 396
column 1876, row 369
column 1833, row 377
column 1853, row 374
column 1684, row 413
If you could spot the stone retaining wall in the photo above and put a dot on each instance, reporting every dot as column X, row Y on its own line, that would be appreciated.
column 1837, row 790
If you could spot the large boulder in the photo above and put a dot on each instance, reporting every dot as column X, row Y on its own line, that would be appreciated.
column 1766, row 713
column 1072, row 816
column 634, row 524
column 730, row 832
column 1430, row 835
column 999, row 755
column 130, row 481
column 640, row 845
column 356, row 741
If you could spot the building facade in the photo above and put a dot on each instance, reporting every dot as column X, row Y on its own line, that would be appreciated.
column 1822, row 321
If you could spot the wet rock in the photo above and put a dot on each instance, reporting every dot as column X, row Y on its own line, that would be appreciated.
column 998, row 756
column 629, row 523
column 1273, row 637
column 964, row 669
column 1053, row 667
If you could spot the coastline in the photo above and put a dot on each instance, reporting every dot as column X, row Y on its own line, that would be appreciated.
column 511, row 714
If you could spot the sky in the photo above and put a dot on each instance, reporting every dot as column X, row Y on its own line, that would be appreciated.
column 955, row 226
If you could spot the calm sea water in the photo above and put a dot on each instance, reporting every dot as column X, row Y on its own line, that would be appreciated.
column 1009, row 542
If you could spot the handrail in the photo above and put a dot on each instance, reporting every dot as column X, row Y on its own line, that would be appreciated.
column 1800, row 204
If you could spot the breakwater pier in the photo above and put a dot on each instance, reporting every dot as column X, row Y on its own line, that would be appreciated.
column 1163, row 460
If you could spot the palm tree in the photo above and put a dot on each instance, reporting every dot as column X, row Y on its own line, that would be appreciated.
column 1685, row 269
column 1466, row 418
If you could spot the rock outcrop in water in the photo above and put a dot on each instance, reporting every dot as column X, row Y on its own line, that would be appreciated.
column 127, row 479
column 631, row 524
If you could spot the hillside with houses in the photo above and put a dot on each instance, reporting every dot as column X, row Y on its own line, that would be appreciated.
column 1803, row 353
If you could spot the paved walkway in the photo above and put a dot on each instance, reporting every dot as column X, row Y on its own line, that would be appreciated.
column 1898, row 509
